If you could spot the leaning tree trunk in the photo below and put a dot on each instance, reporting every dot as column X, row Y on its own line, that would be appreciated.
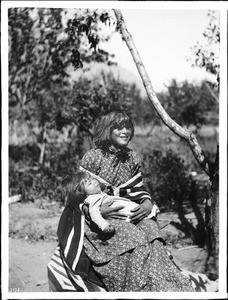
column 187, row 135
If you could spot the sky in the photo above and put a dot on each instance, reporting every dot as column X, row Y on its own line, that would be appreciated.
column 163, row 39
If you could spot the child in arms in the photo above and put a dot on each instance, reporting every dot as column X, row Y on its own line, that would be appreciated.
column 87, row 190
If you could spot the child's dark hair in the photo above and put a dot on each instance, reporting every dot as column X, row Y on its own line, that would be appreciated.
column 115, row 118
column 72, row 185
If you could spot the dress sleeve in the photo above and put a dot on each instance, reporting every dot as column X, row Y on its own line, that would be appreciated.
column 136, row 163
column 136, row 169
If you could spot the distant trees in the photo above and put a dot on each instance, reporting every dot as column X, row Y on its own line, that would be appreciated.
column 190, row 104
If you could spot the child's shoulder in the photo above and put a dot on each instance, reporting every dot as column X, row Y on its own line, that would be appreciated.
column 92, row 198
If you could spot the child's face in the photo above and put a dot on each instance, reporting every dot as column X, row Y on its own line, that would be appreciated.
column 91, row 186
column 121, row 136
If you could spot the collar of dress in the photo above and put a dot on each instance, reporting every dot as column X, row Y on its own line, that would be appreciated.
column 118, row 151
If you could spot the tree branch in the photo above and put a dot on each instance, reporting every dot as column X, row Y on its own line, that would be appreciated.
column 185, row 134
column 215, row 97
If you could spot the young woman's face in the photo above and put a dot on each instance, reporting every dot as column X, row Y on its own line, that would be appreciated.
column 92, row 186
column 121, row 136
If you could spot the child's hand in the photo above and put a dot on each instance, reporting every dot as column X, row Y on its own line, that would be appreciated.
column 116, row 191
column 109, row 229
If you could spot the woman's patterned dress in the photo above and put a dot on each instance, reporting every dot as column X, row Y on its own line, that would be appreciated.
column 134, row 258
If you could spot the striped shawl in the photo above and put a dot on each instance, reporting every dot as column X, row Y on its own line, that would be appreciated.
column 69, row 269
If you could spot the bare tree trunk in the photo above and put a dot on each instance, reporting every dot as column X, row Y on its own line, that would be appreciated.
column 189, row 137
column 212, row 226
column 15, row 135
column 42, row 145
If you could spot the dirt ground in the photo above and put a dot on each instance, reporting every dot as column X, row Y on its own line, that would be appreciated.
column 32, row 241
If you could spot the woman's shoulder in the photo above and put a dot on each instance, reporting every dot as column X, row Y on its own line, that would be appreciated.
column 136, row 158
column 93, row 152
column 91, row 159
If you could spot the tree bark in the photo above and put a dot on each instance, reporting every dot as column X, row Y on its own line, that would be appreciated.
column 212, row 223
column 190, row 138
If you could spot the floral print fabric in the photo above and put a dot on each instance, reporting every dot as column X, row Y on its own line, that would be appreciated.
column 134, row 259
column 115, row 167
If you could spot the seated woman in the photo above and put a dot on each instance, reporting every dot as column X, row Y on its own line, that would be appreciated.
column 140, row 262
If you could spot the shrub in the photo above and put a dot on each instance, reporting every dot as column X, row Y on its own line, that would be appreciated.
column 167, row 179
column 34, row 183
column 41, row 181
column 25, row 154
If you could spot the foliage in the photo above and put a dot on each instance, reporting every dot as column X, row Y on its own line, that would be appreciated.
column 167, row 178
column 207, row 56
column 42, row 47
column 41, row 50
column 43, row 181
column 190, row 104
column 90, row 97
column 34, row 61
column 173, row 189
column 34, row 183
column 85, row 28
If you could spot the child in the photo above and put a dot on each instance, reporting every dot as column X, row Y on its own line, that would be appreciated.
column 82, row 184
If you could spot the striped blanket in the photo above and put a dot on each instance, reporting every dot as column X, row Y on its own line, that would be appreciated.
column 69, row 269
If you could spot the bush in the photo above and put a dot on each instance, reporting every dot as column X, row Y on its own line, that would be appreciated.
column 34, row 183
column 165, row 175
column 25, row 154
column 41, row 181
column 167, row 179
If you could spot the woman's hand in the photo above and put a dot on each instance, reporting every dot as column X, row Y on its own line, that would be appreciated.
column 141, row 211
column 109, row 212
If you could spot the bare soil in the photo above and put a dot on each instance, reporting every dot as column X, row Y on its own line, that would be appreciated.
column 32, row 241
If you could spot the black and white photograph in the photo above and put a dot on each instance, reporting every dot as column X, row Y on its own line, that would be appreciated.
column 114, row 149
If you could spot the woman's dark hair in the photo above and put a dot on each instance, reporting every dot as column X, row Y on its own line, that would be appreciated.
column 109, row 121
column 73, row 185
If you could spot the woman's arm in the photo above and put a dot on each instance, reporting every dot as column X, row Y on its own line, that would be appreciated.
column 146, row 205
column 141, row 211
column 109, row 212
